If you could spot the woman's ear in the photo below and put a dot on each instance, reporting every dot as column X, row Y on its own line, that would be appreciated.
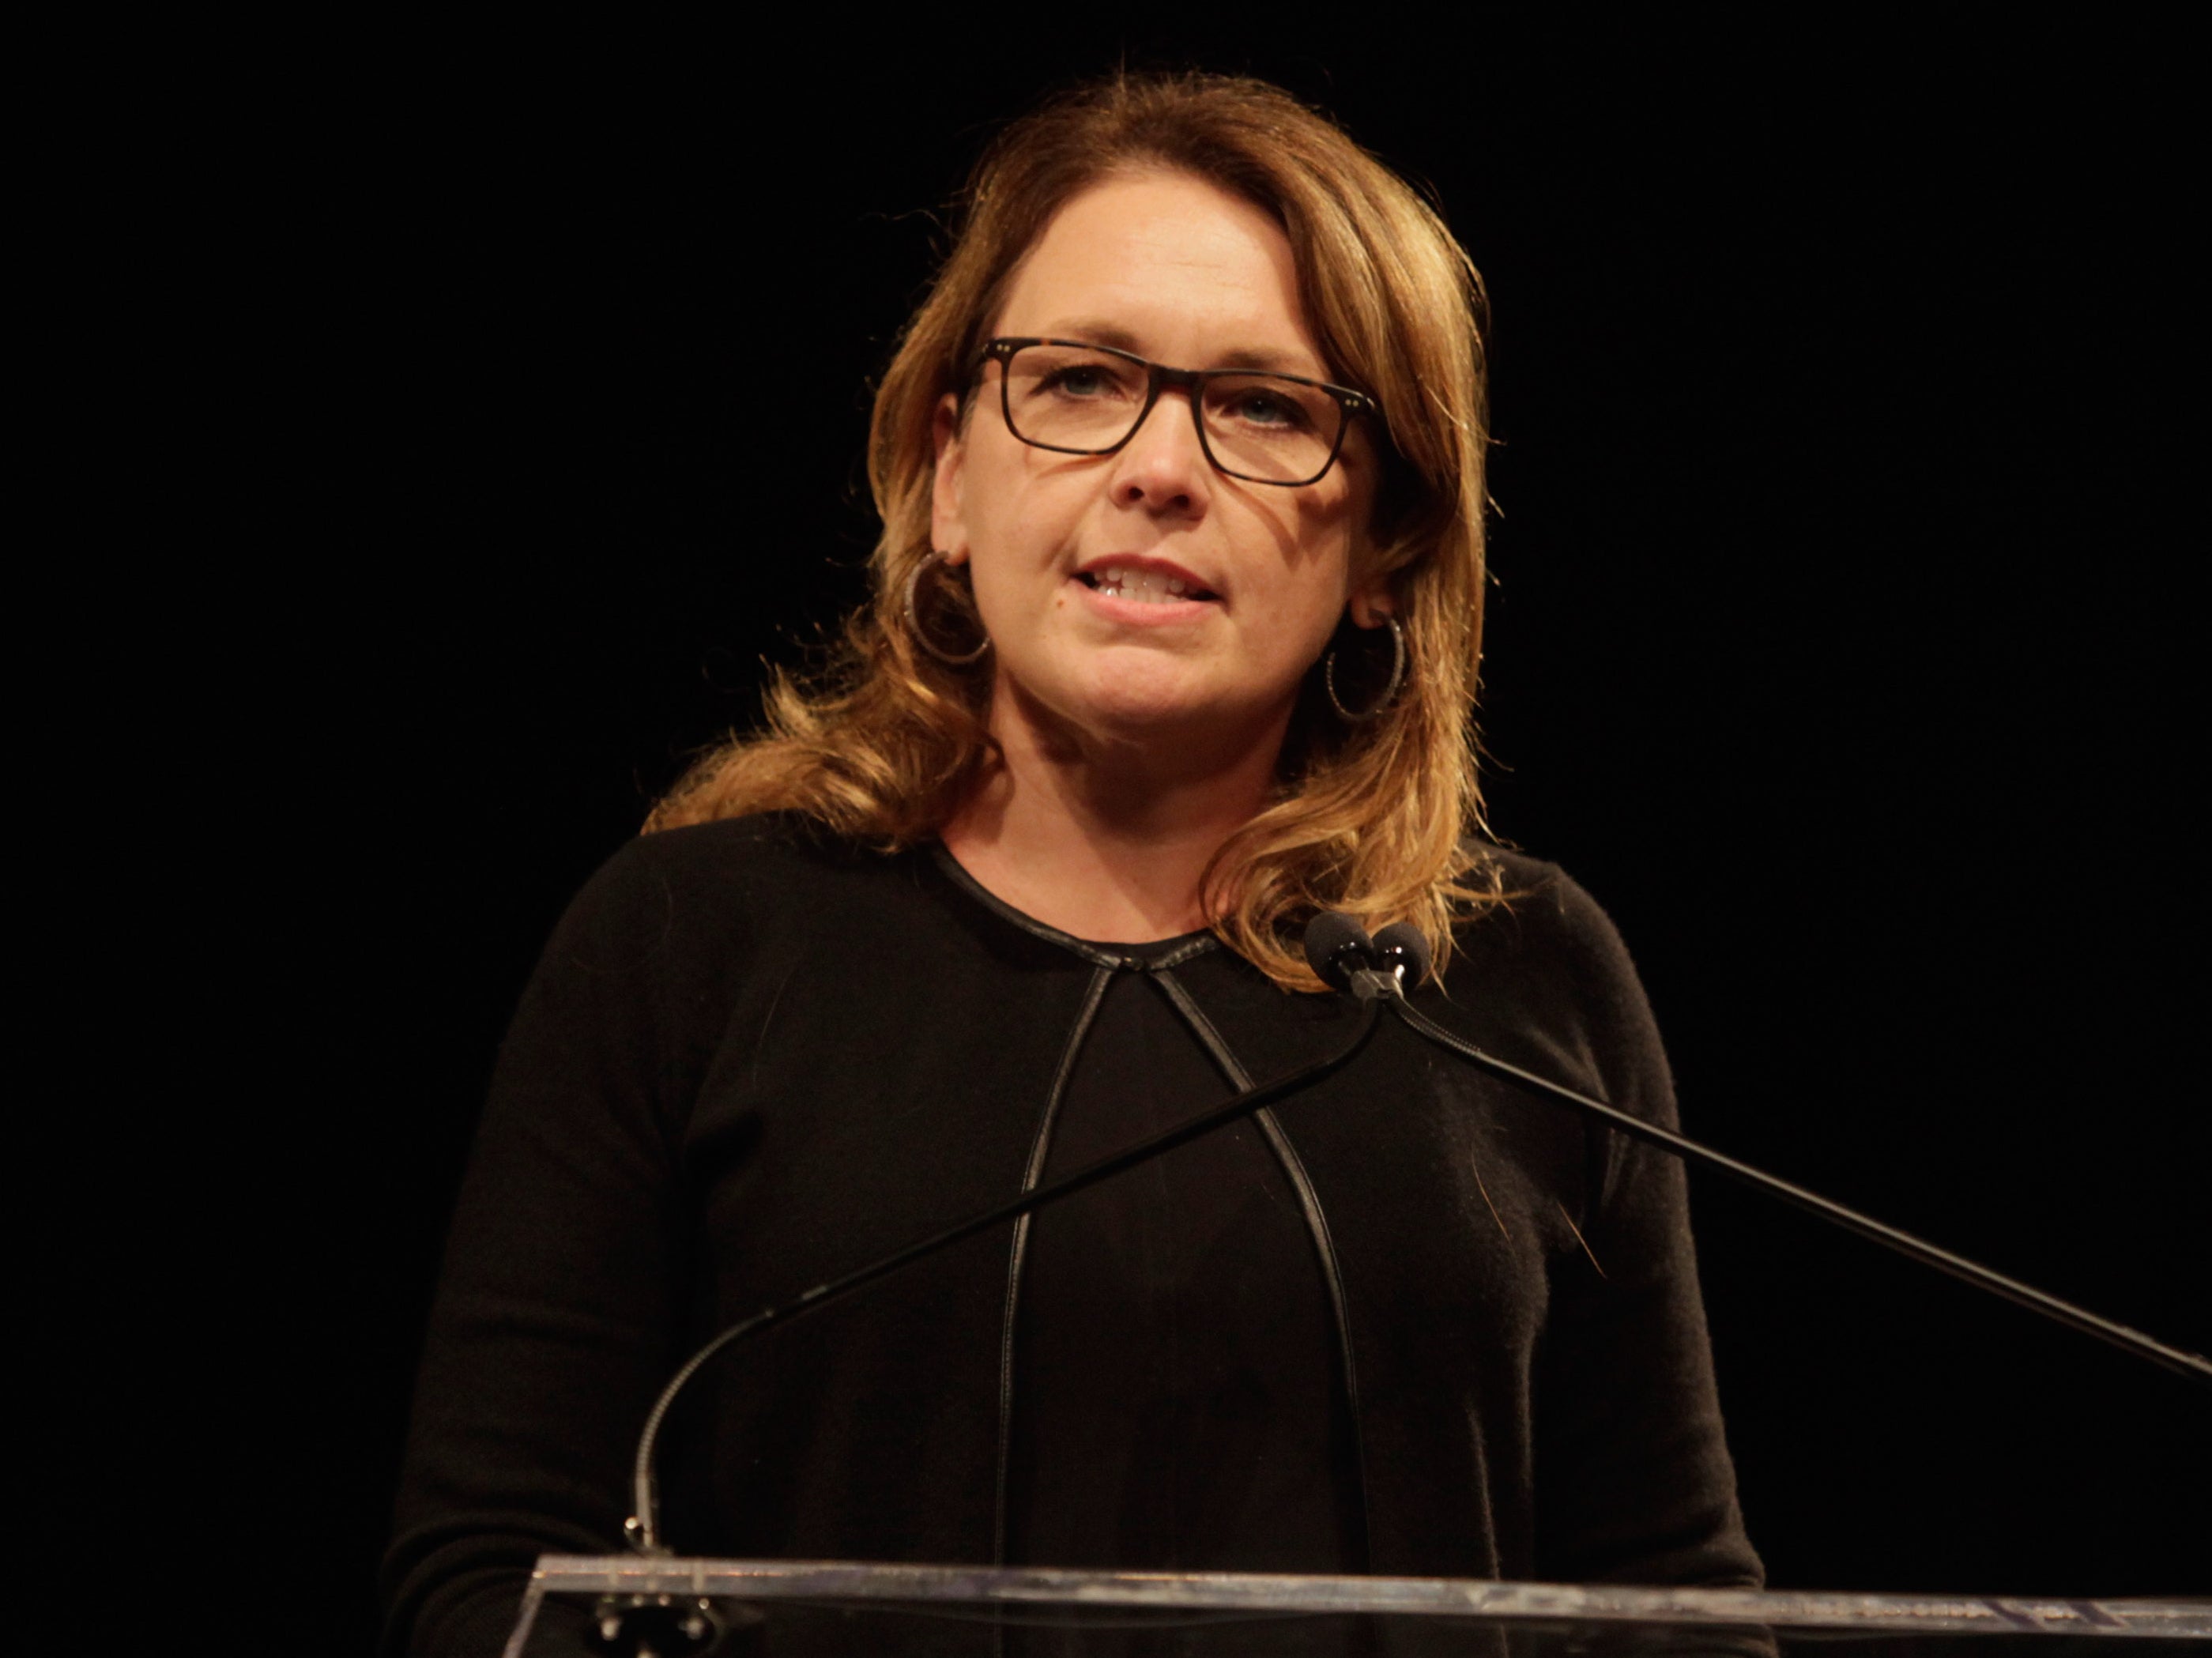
column 948, row 532
column 1371, row 604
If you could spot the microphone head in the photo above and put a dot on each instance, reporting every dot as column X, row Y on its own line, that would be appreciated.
column 1402, row 944
column 1335, row 945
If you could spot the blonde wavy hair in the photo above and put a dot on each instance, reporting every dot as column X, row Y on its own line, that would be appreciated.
column 887, row 741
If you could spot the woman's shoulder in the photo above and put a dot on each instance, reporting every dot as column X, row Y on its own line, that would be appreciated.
column 769, row 849
column 1542, row 953
column 1530, row 902
column 714, row 885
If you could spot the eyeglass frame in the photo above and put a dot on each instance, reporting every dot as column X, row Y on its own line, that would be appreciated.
column 1001, row 350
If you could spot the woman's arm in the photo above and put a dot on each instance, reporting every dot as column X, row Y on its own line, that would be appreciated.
column 1633, row 1479
column 561, row 1305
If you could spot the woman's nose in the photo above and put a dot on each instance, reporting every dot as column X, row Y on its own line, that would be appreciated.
column 1163, row 465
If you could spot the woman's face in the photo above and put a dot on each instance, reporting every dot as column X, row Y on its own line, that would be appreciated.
column 1176, row 271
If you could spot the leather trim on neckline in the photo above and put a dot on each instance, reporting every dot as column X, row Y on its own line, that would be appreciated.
column 1129, row 958
column 1332, row 1274
column 1018, row 1251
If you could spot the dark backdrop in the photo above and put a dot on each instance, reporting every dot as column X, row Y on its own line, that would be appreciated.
column 1845, row 389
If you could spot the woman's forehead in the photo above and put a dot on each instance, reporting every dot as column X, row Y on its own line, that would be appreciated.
column 1163, row 264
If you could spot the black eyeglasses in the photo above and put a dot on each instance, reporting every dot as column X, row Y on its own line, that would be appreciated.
column 1079, row 399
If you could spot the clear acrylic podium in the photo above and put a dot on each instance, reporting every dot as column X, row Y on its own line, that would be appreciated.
column 778, row 1608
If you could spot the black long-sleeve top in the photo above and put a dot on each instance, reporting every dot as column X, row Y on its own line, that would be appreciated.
column 1410, row 1321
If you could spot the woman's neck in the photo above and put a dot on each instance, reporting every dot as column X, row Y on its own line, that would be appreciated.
column 1106, row 840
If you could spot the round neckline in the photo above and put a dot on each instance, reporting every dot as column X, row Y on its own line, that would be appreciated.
column 1150, row 956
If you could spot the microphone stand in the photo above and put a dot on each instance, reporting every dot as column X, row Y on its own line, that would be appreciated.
column 643, row 1527
column 1905, row 1243
column 1342, row 954
column 1373, row 971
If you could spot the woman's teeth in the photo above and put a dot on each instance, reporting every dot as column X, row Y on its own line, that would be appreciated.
column 1144, row 586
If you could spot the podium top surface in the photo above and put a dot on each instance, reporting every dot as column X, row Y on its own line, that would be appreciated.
column 1068, row 1599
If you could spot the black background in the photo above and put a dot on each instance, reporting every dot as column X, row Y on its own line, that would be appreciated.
column 1846, row 396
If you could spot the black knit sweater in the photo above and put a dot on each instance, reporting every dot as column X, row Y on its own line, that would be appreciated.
column 752, row 1060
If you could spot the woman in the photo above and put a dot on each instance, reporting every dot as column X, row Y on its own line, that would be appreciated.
column 1173, row 643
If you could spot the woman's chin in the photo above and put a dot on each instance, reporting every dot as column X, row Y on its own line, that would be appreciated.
column 1178, row 712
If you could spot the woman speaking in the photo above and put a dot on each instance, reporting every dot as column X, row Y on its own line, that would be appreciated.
column 1172, row 643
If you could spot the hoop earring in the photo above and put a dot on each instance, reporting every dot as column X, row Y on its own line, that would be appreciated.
column 921, row 634
column 1389, row 691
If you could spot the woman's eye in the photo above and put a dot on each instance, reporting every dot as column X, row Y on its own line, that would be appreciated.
column 1083, row 380
column 1266, row 408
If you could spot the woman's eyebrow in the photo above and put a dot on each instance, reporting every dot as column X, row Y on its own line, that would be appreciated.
column 1279, row 362
column 1091, row 332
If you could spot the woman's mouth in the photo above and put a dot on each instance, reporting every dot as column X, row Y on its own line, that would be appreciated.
column 1140, row 585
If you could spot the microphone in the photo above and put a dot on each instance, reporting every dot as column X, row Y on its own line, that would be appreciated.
column 1339, row 950
column 1336, row 947
column 1405, row 947
column 1373, row 967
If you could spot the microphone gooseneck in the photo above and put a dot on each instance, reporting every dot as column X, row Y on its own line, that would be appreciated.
column 1390, row 954
column 642, row 1528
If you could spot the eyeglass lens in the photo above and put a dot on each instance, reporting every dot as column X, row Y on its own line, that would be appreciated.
column 1257, row 426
